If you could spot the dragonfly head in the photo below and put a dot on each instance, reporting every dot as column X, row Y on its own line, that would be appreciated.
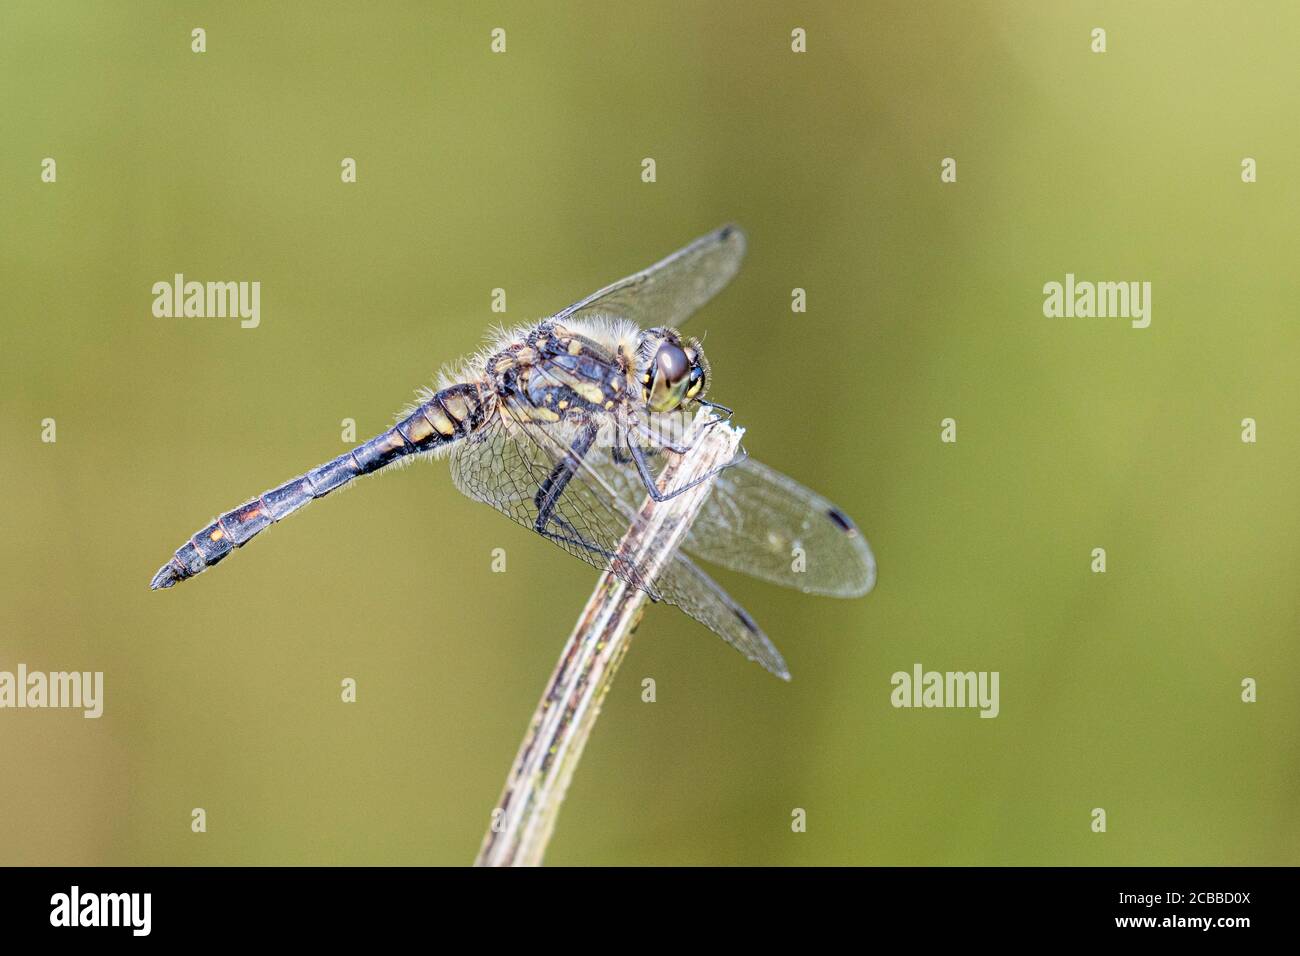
column 671, row 369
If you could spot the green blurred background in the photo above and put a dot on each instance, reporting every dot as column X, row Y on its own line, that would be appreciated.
column 522, row 171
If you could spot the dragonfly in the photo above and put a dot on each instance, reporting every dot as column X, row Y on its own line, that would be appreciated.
column 562, row 425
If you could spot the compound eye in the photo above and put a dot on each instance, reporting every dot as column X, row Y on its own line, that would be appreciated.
column 696, row 384
column 672, row 363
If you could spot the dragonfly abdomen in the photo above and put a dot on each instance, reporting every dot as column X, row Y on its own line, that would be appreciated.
column 450, row 414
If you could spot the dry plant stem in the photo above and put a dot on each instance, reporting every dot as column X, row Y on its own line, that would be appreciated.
column 525, row 815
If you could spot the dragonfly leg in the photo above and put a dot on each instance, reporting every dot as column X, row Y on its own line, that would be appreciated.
column 630, row 572
column 648, row 479
column 661, row 443
column 548, row 499
column 572, row 537
column 623, row 440
column 548, row 495
column 717, row 408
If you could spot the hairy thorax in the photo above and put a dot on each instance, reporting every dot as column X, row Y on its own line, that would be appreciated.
column 557, row 373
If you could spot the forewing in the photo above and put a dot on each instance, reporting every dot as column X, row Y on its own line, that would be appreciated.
column 505, row 463
column 668, row 292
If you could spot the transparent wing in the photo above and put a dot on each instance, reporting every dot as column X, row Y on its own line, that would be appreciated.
column 685, row 585
column 668, row 292
column 767, row 525
column 508, row 460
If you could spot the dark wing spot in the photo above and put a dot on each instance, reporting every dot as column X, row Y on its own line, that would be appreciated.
column 842, row 521
column 750, row 624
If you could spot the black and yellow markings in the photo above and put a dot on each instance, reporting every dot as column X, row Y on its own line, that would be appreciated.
column 211, row 545
column 426, row 425
column 416, row 428
column 450, row 414
column 571, row 372
column 591, row 392
column 456, row 405
column 439, row 419
column 377, row 452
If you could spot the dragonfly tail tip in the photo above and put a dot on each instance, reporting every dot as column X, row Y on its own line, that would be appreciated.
column 165, row 577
